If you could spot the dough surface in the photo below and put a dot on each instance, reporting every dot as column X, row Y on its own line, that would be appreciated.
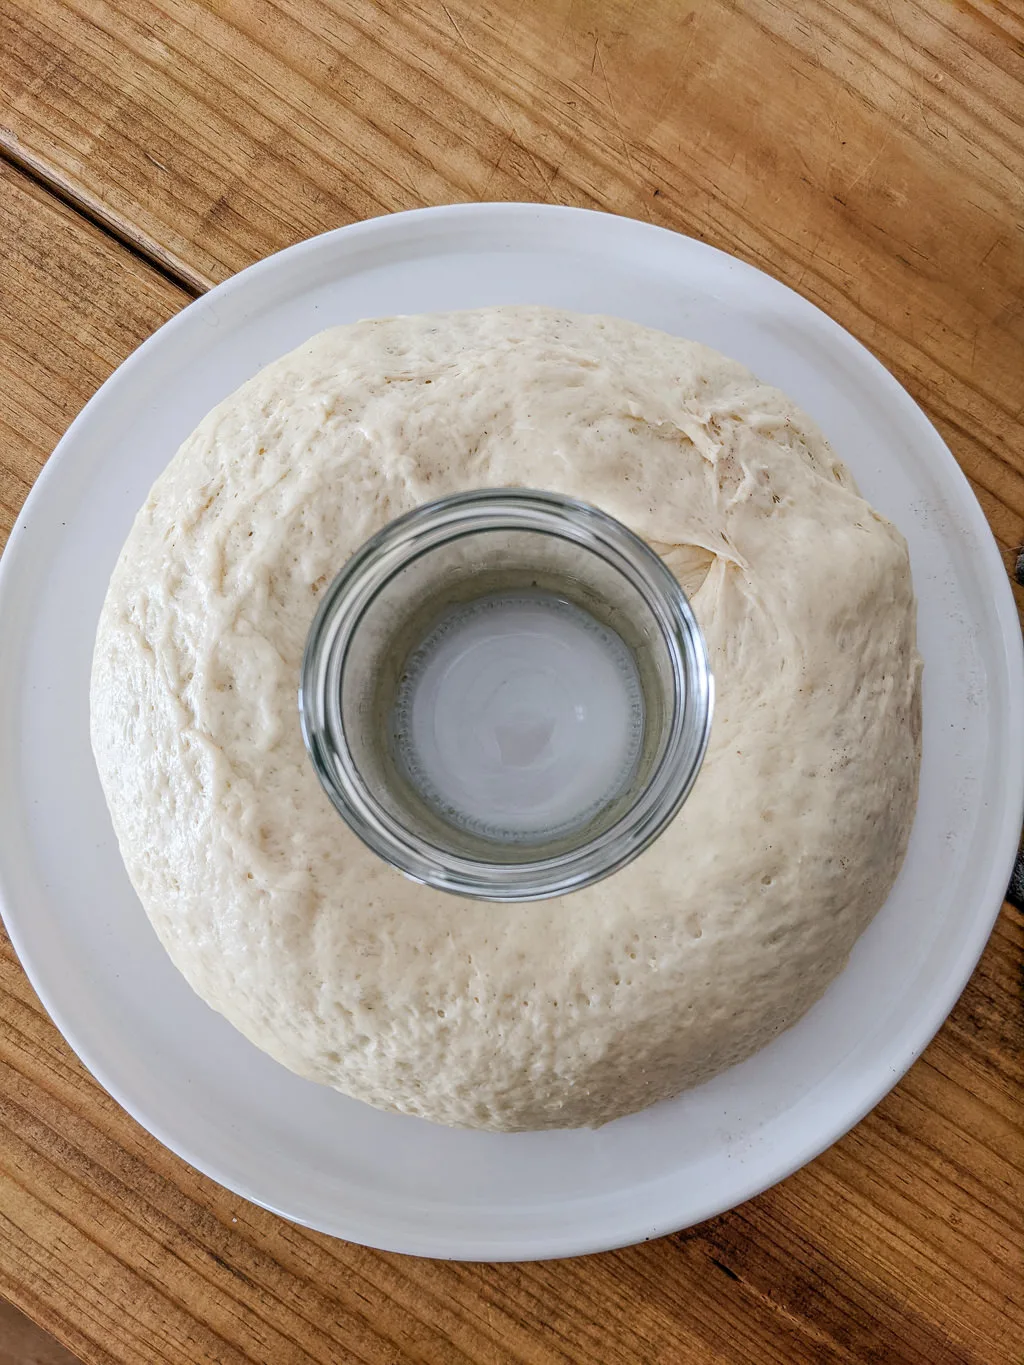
column 565, row 1012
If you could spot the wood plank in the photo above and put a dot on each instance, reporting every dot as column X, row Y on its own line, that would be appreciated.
column 871, row 156
column 905, row 1242
column 72, row 306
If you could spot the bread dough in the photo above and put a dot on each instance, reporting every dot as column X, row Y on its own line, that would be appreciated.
column 564, row 1012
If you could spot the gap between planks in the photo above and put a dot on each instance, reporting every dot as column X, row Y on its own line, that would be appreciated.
column 112, row 225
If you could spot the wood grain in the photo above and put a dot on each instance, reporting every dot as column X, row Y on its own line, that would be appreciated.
column 71, row 309
column 870, row 155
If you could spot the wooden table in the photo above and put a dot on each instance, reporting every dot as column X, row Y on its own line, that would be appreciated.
column 870, row 153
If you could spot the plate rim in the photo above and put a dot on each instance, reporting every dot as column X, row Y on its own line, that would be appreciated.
column 1009, row 817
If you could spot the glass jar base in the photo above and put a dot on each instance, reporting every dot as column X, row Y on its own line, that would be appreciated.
column 519, row 717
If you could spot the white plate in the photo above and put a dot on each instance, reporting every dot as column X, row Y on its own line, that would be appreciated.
column 401, row 1183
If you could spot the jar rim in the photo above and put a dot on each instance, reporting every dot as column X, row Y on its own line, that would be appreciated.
column 392, row 549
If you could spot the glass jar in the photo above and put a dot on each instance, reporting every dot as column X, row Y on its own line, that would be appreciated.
column 506, row 694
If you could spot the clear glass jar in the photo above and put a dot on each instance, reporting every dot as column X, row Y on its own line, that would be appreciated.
column 483, row 792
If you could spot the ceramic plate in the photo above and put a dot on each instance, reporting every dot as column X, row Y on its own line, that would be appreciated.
column 398, row 1182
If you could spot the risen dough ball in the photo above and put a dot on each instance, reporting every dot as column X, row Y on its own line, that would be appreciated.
column 559, row 1013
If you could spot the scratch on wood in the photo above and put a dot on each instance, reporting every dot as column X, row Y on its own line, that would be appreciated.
column 870, row 163
column 513, row 132
column 810, row 259
column 451, row 20
column 619, row 127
